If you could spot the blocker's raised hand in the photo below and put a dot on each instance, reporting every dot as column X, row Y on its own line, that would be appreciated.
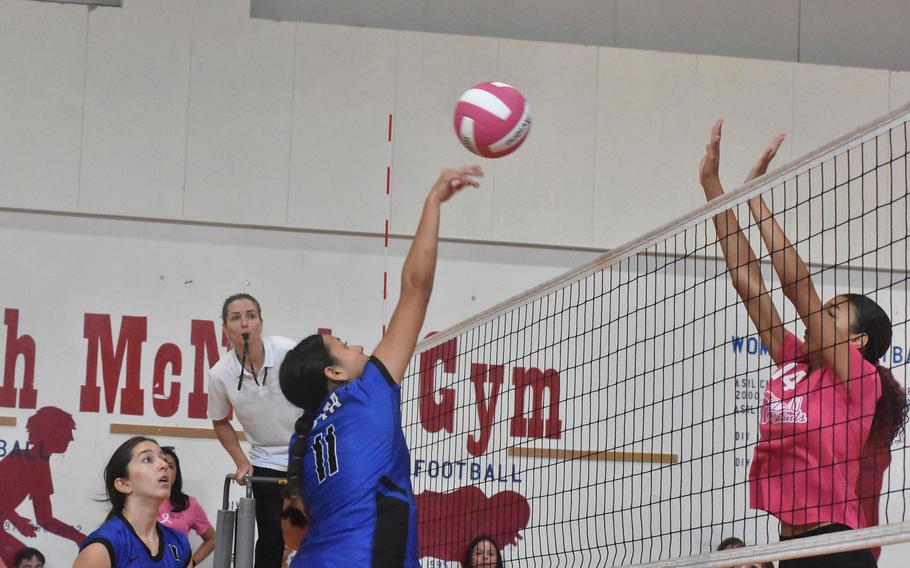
column 761, row 166
column 710, row 164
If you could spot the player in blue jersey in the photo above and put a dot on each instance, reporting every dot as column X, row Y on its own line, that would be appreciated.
column 137, row 482
column 349, row 451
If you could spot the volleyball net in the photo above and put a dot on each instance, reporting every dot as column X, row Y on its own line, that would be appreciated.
column 609, row 417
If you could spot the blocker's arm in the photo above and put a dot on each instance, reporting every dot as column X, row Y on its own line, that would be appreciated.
column 745, row 271
column 822, row 334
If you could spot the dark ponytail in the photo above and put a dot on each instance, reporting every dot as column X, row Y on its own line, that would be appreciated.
column 891, row 409
column 304, row 384
column 301, row 430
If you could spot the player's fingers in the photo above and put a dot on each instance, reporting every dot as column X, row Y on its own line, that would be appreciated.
column 466, row 180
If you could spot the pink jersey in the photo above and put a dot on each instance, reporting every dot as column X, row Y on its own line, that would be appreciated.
column 193, row 517
column 806, row 467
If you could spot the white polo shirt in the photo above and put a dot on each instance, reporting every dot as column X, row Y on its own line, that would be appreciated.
column 266, row 416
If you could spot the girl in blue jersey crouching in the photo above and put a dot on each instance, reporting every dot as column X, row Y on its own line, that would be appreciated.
column 137, row 482
column 349, row 451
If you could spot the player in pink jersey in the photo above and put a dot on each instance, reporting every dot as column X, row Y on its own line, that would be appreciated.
column 182, row 512
column 830, row 411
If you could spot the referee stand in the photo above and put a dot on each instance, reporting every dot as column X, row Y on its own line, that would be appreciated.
column 235, row 529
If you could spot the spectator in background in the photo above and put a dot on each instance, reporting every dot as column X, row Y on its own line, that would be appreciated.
column 182, row 513
column 483, row 553
column 730, row 542
column 733, row 542
column 29, row 558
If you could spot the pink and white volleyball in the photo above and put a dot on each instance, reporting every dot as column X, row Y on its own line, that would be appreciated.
column 492, row 119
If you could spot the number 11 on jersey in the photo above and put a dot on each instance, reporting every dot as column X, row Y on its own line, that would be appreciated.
column 324, row 451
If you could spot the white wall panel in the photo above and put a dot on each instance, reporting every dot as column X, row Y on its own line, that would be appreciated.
column 136, row 84
column 239, row 130
column 41, row 104
column 900, row 89
column 344, row 92
column 545, row 191
column 831, row 101
column 581, row 21
column 433, row 71
column 645, row 159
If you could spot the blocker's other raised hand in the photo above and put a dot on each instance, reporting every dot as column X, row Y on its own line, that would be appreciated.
column 761, row 166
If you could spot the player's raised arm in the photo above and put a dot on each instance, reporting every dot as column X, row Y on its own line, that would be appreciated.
column 822, row 332
column 397, row 346
column 742, row 263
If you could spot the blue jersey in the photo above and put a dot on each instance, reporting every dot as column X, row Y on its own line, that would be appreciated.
column 355, row 479
column 126, row 548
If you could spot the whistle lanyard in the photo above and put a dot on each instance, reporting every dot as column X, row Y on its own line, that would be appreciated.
column 253, row 372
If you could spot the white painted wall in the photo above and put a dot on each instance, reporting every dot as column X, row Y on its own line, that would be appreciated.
column 214, row 118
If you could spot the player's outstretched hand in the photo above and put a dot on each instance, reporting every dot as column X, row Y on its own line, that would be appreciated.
column 451, row 181
column 710, row 164
column 761, row 166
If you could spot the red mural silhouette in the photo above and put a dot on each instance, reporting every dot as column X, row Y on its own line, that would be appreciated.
column 26, row 472
column 448, row 522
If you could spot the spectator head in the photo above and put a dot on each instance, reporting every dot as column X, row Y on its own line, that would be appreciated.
column 483, row 553
column 29, row 558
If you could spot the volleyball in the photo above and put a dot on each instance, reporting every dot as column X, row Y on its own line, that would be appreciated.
column 492, row 119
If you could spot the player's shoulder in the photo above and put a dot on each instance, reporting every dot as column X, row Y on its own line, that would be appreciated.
column 376, row 368
column 195, row 508
column 112, row 534
column 115, row 526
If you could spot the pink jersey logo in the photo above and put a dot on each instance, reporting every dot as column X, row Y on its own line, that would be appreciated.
column 776, row 411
